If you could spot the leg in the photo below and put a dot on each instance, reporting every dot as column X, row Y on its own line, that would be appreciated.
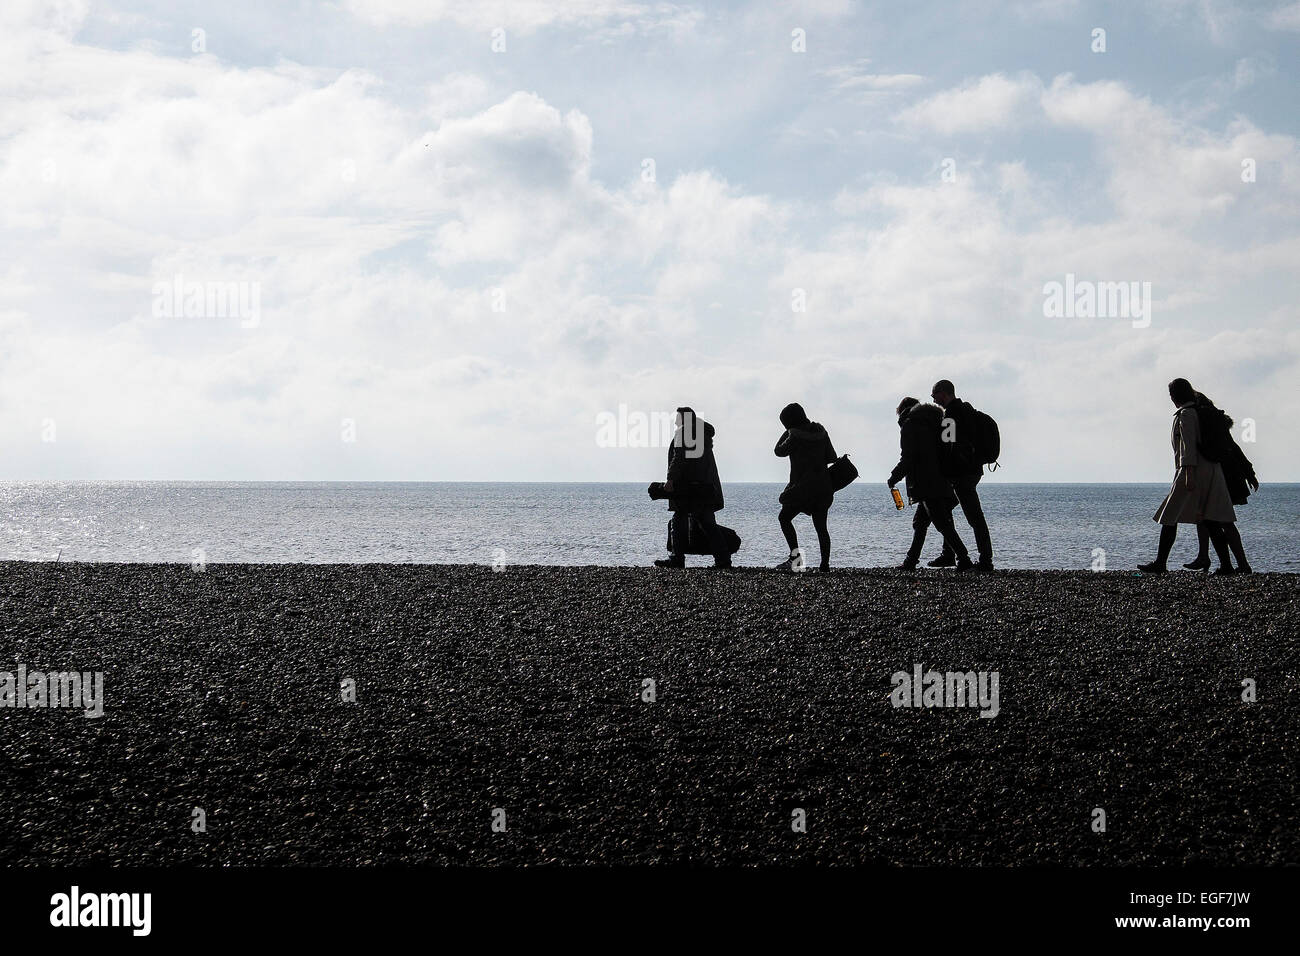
column 681, row 533
column 941, row 515
column 786, row 520
column 1168, row 532
column 1202, row 560
column 920, row 524
column 823, row 537
column 677, row 542
column 968, row 497
column 1234, row 542
column 1219, row 538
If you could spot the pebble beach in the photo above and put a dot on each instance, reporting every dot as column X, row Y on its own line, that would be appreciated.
column 583, row 715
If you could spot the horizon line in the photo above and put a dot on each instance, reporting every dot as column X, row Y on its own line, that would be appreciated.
column 497, row 481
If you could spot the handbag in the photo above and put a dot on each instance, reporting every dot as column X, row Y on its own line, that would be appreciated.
column 841, row 472
column 695, row 541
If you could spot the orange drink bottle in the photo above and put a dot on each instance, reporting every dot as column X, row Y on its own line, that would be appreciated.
column 898, row 499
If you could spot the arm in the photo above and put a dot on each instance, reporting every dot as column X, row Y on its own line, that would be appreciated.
column 1189, row 435
column 676, row 462
column 900, row 470
column 782, row 449
column 830, row 451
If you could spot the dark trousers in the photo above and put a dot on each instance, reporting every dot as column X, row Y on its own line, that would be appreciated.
column 708, row 523
column 968, row 497
column 786, row 520
column 938, row 513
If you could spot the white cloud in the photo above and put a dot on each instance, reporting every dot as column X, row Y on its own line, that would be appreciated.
column 988, row 104
column 1284, row 17
column 523, row 16
column 381, row 215
column 855, row 78
column 1163, row 168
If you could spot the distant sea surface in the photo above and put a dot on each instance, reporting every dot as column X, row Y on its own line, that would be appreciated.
column 1034, row 525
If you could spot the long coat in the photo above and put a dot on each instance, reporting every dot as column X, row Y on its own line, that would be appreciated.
column 1209, row 500
column 696, row 485
column 810, row 450
column 920, row 433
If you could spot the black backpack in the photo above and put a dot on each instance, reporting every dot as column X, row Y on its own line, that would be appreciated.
column 985, row 438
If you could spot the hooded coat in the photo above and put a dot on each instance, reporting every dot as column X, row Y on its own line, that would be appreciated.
column 809, row 449
column 696, row 485
column 922, row 459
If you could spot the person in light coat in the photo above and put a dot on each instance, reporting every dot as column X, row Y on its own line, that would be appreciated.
column 1199, row 492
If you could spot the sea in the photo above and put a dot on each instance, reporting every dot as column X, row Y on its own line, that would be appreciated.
column 1037, row 526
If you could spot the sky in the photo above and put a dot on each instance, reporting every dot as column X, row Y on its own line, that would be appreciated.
column 491, row 240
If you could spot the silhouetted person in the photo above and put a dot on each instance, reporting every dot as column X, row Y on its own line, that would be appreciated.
column 809, row 491
column 919, row 437
column 1199, row 492
column 965, row 472
column 1217, row 442
column 694, row 489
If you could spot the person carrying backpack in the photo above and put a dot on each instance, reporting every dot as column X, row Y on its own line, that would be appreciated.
column 920, row 462
column 964, row 468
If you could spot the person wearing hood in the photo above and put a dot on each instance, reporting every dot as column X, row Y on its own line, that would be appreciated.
column 920, row 428
column 694, row 489
column 809, row 491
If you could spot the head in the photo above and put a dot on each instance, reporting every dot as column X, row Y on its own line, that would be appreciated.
column 1181, row 391
column 943, row 392
column 906, row 405
column 686, row 418
column 793, row 415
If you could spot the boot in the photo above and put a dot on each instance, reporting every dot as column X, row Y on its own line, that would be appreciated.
column 676, row 561
column 946, row 560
